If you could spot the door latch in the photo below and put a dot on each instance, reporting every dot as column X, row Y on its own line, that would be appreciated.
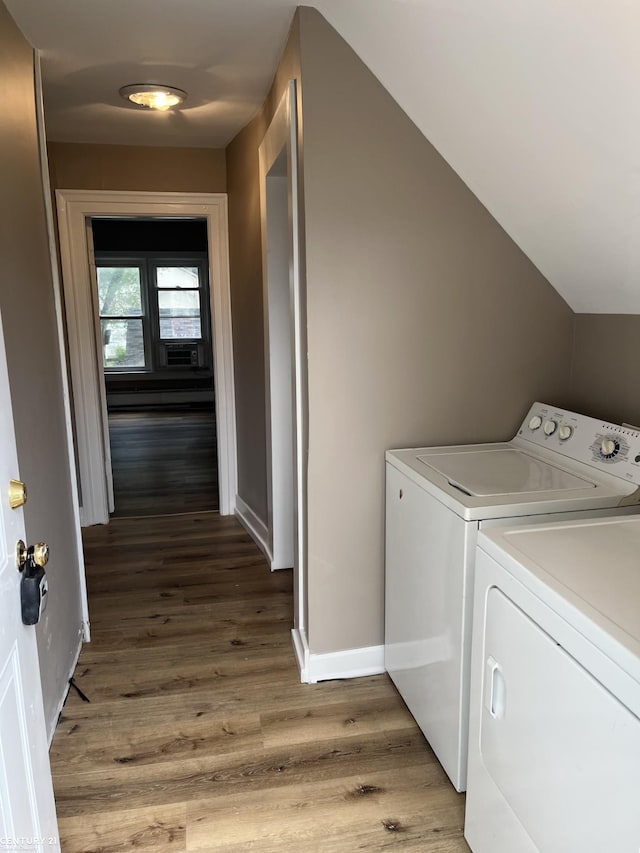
column 34, row 586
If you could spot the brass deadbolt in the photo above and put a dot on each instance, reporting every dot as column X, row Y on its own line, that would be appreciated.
column 17, row 494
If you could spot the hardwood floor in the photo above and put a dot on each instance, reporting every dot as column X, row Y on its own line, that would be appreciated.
column 199, row 736
column 163, row 461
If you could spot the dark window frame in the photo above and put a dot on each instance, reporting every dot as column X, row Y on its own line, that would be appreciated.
column 148, row 262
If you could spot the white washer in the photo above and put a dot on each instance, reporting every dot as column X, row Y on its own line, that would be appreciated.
column 437, row 499
column 554, row 737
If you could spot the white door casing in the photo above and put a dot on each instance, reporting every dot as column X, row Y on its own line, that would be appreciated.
column 102, row 387
column 285, row 349
column 27, row 808
column 279, row 371
column 75, row 207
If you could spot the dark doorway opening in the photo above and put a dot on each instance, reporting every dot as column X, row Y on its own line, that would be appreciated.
column 155, row 325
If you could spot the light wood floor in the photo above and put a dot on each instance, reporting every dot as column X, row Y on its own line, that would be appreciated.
column 199, row 736
column 163, row 461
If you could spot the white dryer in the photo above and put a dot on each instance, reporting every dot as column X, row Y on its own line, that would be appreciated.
column 437, row 500
column 554, row 744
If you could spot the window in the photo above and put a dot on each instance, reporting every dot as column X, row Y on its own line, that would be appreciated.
column 178, row 294
column 122, row 316
column 153, row 311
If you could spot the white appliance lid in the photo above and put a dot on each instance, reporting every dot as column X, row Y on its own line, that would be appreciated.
column 501, row 472
column 597, row 560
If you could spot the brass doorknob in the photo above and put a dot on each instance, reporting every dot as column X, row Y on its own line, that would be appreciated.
column 17, row 493
column 41, row 554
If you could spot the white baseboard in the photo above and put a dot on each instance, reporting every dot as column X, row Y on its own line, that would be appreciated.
column 255, row 527
column 351, row 663
column 53, row 722
column 301, row 650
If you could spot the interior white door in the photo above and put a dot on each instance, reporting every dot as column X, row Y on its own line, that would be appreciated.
column 27, row 809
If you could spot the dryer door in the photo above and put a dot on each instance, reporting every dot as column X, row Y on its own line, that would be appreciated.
column 562, row 751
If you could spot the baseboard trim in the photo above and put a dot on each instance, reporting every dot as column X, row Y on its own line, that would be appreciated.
column 53, row 722
column 351, row 663
column 301, row 650
column 255, row 527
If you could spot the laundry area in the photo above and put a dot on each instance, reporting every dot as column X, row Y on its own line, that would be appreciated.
column 517, row 650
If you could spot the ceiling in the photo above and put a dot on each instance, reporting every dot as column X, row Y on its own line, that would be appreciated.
column 222, row 52
column 536, row 105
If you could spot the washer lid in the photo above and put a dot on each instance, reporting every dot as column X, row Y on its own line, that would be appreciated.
column 501, row 472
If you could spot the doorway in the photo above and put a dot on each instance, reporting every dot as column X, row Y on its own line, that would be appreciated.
column 76, row 210
column 152, row 293
column 285, row 359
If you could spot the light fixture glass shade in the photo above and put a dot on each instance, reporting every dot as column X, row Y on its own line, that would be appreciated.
column 153, row 96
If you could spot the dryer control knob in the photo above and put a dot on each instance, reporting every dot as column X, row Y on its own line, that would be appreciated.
column 535, row 422
column 550, row 427
column 565, row 432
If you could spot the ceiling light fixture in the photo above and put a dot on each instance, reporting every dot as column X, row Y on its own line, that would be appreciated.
column 152, row 96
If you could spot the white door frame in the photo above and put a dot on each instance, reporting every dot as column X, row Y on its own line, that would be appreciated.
column 75, row 207
column 282, row 135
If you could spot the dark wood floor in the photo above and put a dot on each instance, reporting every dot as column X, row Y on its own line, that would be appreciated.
column 199, row 736
column 164, row 461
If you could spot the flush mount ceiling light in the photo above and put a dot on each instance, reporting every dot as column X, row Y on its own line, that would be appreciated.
column 152, row 96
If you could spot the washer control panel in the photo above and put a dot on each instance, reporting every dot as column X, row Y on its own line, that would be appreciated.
column 610, row 447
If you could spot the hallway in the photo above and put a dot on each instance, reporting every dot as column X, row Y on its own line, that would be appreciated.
column 198, row 735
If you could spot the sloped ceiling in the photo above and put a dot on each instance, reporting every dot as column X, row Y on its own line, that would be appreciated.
column 536, row 105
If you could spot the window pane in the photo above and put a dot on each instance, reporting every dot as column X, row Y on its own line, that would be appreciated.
column 119, row 292
column 180, row 327
column 179, row 303
column 177, row 277
column 123, row 343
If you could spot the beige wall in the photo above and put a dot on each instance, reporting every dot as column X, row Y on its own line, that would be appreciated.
column 245, row 257
column 426, row 323
column 28, row 316
column 80, row 166
column 604, row 376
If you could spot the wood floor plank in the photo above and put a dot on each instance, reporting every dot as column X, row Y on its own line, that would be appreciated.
column 199, row 736
column 334, row 721
column 101, row 745
column 378, row 811
column 154, row 830
column 138, row 785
